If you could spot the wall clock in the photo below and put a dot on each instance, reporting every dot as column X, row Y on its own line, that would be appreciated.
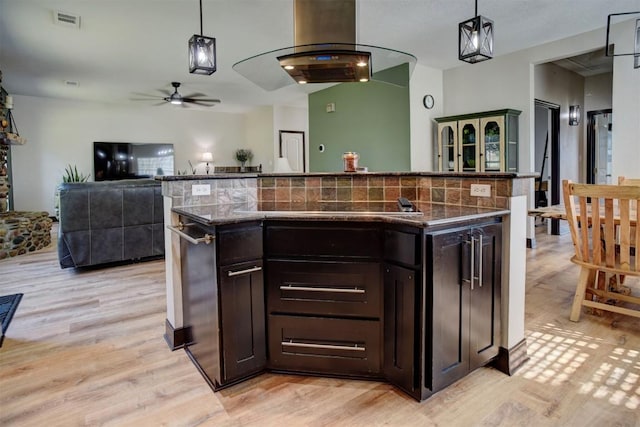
column 428, row 102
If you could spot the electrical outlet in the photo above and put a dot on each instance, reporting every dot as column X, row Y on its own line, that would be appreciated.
column 201, row 189
column 481, row 190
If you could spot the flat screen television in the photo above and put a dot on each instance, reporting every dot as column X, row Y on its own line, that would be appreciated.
column 124, row 160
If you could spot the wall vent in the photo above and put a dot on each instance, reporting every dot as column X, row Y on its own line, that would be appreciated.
column 66, row 19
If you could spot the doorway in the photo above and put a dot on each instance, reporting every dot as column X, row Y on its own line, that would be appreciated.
column 547, row 156
column 292, row 147
column 599, row 148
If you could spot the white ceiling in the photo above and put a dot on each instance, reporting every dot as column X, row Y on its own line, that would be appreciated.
column 128, row 47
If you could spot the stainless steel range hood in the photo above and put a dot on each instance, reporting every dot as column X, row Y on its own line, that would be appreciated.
column 324, row 51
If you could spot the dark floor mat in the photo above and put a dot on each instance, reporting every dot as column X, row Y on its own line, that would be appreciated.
column 8, row 306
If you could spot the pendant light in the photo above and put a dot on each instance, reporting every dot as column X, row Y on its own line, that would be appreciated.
column 636, row 37
column 475, row 39
column 202, row 52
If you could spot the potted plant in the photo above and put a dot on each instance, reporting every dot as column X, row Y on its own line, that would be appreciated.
column 243, row 155
column 71, row 174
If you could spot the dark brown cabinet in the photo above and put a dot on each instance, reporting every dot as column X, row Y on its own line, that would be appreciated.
column 223, row 295
column 324, row 298
column 401, row 327
column 465, row 279
column 417, row 307
column 242, row 319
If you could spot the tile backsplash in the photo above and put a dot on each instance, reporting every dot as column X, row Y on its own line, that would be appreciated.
column 454, row 190
column 377, row 188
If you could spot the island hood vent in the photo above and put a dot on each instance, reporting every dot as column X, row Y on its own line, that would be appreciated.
column 324, row 51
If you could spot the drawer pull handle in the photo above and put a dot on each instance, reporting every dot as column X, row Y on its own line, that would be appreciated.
column 323, row 346
column 248, row 270
column 207, row 238
column 318, row 289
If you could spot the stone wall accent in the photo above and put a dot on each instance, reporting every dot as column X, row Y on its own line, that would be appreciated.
column 23, row 232
column 4, row 178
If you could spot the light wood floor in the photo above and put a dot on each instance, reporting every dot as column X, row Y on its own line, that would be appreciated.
column 86, row 348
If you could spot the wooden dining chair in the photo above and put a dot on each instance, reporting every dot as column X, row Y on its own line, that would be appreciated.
column 601, row 219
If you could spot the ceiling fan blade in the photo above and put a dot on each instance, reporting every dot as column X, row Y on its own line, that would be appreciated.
column 194, row 95
column 165, row 92
column 203, row 104
column 204, row 100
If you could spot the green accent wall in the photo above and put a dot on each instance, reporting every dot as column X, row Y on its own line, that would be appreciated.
column 370, row 118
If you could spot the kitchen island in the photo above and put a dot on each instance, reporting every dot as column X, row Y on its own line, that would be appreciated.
column 346, row 288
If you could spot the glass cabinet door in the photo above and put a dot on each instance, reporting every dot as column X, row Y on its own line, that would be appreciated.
column 492, row 135
column 447, row 147
column 469, row 145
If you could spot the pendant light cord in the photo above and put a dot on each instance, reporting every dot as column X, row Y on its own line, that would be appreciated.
column 201, row 12
column 201, row 33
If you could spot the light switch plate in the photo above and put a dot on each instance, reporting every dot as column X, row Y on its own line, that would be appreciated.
column 481, row 190
column 201, row 189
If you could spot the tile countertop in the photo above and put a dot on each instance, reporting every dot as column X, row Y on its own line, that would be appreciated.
column 427, row 215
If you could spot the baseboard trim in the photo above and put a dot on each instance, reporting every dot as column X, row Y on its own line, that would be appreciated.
column 176, row 338
column 509, row 361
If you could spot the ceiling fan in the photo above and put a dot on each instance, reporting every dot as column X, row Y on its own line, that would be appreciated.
column 176, row 98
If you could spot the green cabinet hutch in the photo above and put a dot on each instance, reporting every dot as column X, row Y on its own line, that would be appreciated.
column 479, row 142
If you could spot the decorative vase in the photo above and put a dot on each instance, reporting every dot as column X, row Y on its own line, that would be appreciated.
column 242, row 166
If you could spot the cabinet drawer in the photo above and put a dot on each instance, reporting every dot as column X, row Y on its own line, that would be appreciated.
column 325, row 345
column 324, row 288
column 402, row 247
column 329, row 241
column 236, row 244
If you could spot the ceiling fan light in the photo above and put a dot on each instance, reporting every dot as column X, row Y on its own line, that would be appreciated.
column 475, row 39
column 202, row 55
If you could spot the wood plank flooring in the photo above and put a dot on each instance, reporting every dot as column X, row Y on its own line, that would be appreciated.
column 85, row 348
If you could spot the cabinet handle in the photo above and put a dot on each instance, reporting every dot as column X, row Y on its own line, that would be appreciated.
column 355, row 347
column 473, row 266
column 319, row 289
column 248, row 270
column 481, row 262
column 207, row 238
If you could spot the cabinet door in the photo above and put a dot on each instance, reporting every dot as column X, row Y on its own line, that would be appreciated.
column 447, row 147
column 400, row 327
column 484, row 307
column 492, row 137
column 200, row 305
column 242, row 320
column 469, row 145
column 449, row 264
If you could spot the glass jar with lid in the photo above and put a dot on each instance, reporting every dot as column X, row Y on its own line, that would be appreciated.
column 350, row 159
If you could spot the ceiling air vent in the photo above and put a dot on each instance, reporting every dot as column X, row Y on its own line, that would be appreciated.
column 66, row 19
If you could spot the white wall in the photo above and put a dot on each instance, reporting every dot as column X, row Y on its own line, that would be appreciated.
column 626, row 105
column 597, row 93
column 290, row 118
column 563, row 87
column 259, row 128
column 61, row 132
column 424, row 80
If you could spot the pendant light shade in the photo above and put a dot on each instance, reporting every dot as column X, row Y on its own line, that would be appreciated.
column 202, row 52
column 475, row 39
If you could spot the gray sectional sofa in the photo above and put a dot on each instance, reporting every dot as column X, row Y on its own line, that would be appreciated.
column 110, row 221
